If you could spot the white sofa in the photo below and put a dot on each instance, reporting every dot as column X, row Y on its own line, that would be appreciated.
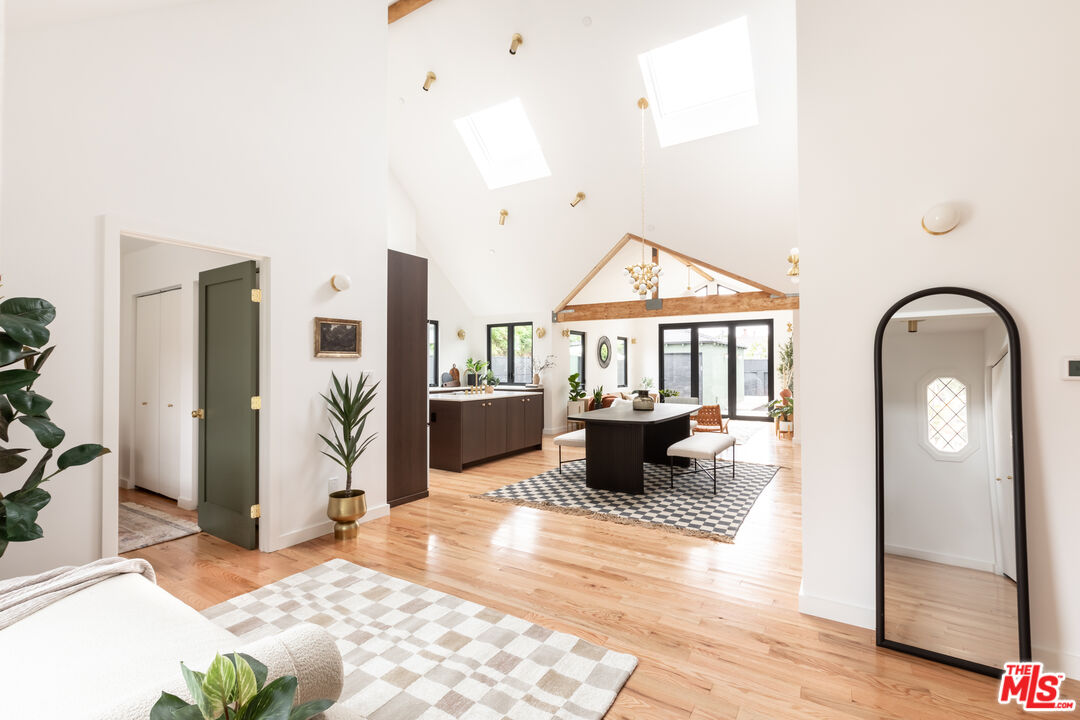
column 108, row 651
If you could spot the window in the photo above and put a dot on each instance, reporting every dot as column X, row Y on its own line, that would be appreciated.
column 503, row 145
column 621, row 360
column 946, row 414
column 702, row 85
column 510, row 352
column 433, row 352
column 577, row 354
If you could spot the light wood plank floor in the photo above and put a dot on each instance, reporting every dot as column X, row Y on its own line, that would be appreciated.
column 716, row 627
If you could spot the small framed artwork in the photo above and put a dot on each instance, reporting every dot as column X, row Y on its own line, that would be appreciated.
column 337, row 338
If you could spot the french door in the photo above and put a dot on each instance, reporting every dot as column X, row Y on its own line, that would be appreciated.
column 729, row 364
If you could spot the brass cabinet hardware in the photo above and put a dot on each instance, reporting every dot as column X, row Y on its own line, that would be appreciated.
column 199, row 414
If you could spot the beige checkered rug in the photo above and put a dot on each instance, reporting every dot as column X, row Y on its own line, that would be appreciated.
column 411, row 652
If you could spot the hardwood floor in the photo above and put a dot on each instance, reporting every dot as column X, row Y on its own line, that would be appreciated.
column 716, row 627
column 158, row 502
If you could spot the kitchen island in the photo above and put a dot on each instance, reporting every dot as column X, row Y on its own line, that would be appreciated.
column 467, row 429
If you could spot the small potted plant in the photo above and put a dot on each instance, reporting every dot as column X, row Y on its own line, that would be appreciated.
column 549, row 362
column 492, row 381
column 576, row 400
column 598, row 398
column 665, row 393
column 782, row 410
column 349, row 407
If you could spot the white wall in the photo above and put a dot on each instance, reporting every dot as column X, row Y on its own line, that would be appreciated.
column 901, row 106
column 253, row 125
column 935, row 509
column 143, row 271
column 400, row 219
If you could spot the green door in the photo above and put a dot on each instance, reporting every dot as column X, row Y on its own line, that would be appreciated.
column 228, row 398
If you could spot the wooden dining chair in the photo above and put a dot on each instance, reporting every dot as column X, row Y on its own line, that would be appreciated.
column 710, row 419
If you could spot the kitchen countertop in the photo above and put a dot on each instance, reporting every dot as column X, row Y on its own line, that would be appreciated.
column 508, row 388
column 465, row 397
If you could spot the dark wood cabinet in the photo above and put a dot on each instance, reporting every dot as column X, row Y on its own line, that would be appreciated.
column 472, row 430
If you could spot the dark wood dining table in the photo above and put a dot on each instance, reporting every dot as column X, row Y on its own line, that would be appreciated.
column 620, row 440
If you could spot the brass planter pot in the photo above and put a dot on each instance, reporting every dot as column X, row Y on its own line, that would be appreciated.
column 345, row 508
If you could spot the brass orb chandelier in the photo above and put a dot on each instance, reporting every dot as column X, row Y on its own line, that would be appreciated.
column 644, row 277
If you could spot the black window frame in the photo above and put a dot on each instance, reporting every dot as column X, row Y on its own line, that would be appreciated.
column 623, row 381
column 695, row 379
column 510, row 335
column 584, row 353
column 435, row 374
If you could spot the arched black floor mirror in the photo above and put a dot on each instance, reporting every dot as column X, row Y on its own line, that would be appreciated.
column 951, row 541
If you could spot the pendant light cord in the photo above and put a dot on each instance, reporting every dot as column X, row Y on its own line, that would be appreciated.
column 643, row 187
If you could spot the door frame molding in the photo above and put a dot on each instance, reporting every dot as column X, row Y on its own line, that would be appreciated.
column 112, row 230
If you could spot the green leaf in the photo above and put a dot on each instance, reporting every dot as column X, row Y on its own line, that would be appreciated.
column 309, row 709
column 80, row 455
column 42, row 358
column 35, row 309
column 24, row 330
column 165, row 707
column 19, row 520
column 38, row 475
column 256, row 667
column 29, row 402
column 12, row 351
column 246, row 684
column 16, row 380
column 11, row 459
column 3, row 544
column 218, row 686
column 191, row 712
column 47, row 434
column 273, row 702
column 194, row 681
column 36, row 498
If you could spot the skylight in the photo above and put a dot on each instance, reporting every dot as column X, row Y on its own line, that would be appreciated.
column 702, row 85
column 503, row 145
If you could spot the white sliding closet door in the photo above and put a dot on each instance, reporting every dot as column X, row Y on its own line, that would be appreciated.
column 157, row 393
column 169, row 396
column 147, row 344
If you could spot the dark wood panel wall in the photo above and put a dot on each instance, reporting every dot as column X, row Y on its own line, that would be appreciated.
column 406, row 394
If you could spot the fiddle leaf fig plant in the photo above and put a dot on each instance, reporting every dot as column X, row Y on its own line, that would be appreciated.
column 234, row 687
column 24, row 333
column 577, row 388
column 349, row 407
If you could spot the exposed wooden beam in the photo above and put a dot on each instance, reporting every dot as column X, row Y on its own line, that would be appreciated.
column 697, row 305
column 592, row 273
column 686, row 259
column 402, row 8
column 706, row 276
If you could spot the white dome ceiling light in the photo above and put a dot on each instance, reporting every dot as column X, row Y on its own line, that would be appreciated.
column 940, row 219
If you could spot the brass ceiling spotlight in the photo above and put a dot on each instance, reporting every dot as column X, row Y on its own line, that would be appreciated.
column 577, row 198
column 913, row 326
column 515, row 43
column 430, row 78
column 502, row 216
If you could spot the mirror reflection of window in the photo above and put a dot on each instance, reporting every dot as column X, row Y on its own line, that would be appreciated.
column 577, row 354
column 946, row 414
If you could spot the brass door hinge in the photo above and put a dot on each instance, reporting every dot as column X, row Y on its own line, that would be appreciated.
column 199, row 414
column 256, row 295
column 256, row 512
column 256, row 403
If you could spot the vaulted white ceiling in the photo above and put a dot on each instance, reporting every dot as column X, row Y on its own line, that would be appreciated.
column 729, row 199
column 31, row 13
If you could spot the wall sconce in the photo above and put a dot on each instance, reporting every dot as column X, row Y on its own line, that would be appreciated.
column 566, row 333
column 515, row 43
column 633, row 341
column 502, row 216
column 577, row 198
column 340, row 282
column 460, row 334
column 430, row 78
column 940, row 219
column 540, row 332
column 793, row 271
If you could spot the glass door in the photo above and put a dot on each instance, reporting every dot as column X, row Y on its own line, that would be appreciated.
column 675, row 353
column 753, row 370
column 713, row 366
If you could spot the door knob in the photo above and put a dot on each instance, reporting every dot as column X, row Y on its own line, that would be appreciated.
column 1008, row 477
column 998, row 479
column 146, row 403
column 170, row 404
column 199, row 414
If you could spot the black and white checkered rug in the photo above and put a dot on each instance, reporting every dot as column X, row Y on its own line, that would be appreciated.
column 690, row 508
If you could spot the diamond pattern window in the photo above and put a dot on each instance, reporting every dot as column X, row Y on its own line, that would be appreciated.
column 946, row 414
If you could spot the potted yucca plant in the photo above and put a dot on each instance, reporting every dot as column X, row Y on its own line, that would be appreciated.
column 349, row 406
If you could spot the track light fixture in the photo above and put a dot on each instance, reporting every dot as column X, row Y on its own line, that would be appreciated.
column 502, row 216
column 515, row 43
column 577, row 198
column 430, row 78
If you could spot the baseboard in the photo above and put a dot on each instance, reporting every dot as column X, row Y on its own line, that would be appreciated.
column 187, row 504
column 325, row 527
column 835, row 610
column 126, row 484
column 555, row 430
column 941, row 558
column 1058, row 661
